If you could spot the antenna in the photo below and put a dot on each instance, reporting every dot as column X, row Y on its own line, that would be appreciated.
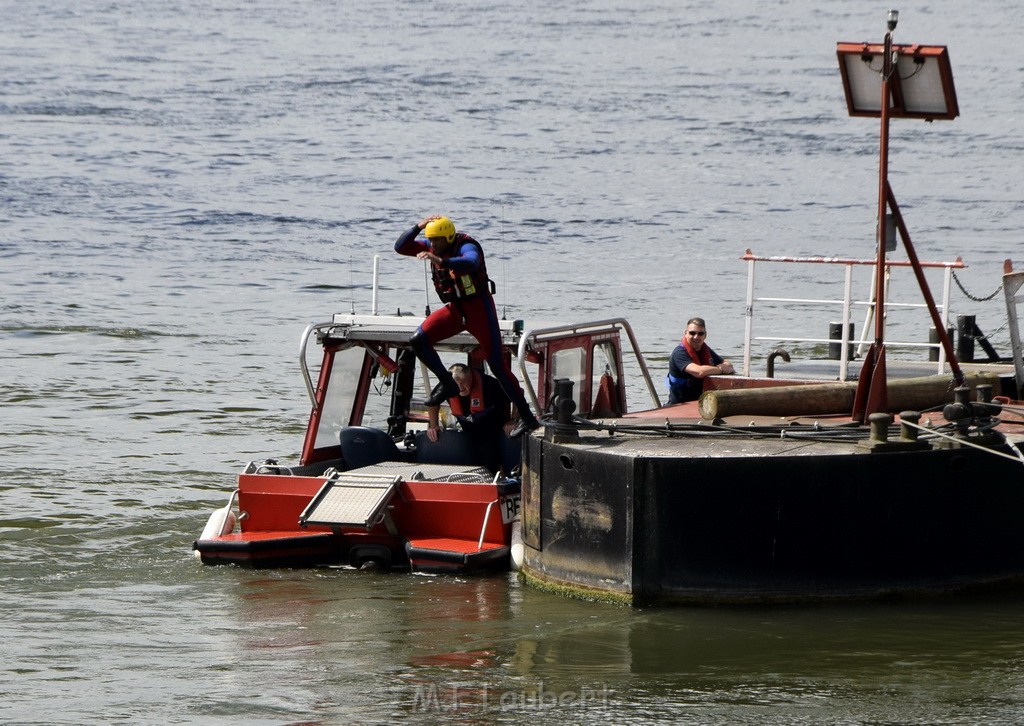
column 504, row 260
column 351, row 286
column 376, row 283
column 426, row 289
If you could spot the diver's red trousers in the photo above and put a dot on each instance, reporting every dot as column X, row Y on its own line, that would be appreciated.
column 477, row 316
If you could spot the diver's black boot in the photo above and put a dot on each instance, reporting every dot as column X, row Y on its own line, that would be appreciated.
column 442, row 392
column 525, row 425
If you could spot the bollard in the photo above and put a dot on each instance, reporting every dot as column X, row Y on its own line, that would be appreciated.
column 983, row 409
column 835, row 332
column 563, row 401
column 564, row 407
column 879, row 423
column 933, row 339
column 909, row 433
column 965, row 327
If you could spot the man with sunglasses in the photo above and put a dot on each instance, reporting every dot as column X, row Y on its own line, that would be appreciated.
column 691, row 362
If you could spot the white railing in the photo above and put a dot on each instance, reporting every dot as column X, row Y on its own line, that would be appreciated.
column 846, row 303
column 1012, row 284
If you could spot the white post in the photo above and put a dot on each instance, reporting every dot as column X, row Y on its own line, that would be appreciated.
column 947, row 278
column 868, row 317
column 749, row 315
column 1012, row 283
column 844, row 356
column 376, row 278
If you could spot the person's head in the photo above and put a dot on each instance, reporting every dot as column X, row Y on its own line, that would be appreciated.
column 463, row 377
column 440, row 232
column 696, row 332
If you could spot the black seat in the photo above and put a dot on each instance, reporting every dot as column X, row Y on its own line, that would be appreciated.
column 365, row 446
column 453, row 447
column 511, row 453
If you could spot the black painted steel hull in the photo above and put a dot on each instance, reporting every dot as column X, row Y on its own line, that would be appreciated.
column 709, row 521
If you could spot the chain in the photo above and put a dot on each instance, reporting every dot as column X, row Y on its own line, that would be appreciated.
column 972, row 297
column 985, row 336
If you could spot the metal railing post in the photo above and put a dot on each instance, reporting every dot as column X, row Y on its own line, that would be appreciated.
column 749, row 317
column 847, row 302
column 844, row 356
column 946, row 280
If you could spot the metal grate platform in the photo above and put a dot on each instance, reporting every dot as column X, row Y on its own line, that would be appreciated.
column 350, row 501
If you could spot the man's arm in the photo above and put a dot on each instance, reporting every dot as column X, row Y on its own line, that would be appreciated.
column 718, row 366
column 722, row 364
column 433, row 424
column 407, row 244
column 467, row 261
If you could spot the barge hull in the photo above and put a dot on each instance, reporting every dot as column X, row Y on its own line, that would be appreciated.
column 605, row 521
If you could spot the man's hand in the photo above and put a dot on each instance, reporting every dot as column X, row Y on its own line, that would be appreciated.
column 427, row 220
column 425, row 255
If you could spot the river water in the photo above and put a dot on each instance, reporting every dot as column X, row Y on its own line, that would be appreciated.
column 184, row 186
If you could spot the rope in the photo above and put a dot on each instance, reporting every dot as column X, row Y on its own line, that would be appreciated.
column 935, row 432
column 680, row 430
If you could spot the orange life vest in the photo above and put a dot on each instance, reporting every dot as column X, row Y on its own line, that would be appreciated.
column 476, row 399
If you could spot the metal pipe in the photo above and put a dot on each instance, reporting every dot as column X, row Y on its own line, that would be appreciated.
column 883, row 177
column 483, row 529
column 777, row 353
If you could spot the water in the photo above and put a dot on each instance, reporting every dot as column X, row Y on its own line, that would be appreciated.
column 184, row 186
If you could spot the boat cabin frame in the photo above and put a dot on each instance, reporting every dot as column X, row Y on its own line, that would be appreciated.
column 369, row 375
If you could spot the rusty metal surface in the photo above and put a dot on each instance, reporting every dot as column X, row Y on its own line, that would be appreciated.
column 654, row 520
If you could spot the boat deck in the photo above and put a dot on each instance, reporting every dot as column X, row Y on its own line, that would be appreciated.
column 644, row 433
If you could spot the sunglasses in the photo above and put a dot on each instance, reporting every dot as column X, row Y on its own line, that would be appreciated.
column 696, row 332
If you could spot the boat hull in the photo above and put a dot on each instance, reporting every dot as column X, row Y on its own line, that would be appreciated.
column 704, row 521
column 271, row 549
column 429, row 526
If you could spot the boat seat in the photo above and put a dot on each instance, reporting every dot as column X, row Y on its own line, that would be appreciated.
column 453, row 447
column 511, row 453
column 364, row 446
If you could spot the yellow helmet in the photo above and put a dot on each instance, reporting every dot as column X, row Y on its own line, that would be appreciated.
column 440, row 227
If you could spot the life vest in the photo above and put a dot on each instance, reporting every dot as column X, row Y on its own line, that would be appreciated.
column 700, row 357
column 685, row 386
column 476, row 400
column 451, row 285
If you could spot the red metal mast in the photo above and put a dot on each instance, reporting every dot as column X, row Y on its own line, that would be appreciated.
column 896, row 100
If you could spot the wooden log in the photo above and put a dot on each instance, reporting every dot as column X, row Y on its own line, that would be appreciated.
column 904, row 394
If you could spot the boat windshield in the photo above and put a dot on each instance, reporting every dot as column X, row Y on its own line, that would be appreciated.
column 570, row 363
column 341, row 394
